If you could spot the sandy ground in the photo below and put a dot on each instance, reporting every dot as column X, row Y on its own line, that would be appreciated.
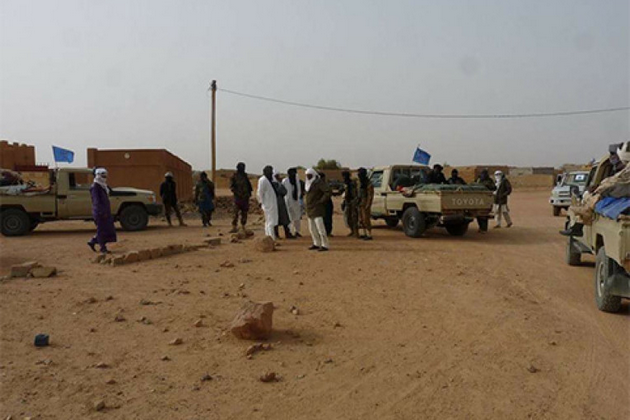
column 484, row 326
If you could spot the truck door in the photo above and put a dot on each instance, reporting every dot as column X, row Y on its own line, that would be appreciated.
column 74, row 197
column 379, row 206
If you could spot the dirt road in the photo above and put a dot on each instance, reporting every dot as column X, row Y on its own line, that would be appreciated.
column 484, row 326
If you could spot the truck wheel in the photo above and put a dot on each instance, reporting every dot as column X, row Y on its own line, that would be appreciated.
column 14, row 222
column 133, row 218
column 573, row 256
column 34, row 224
column 458, row 229
column 391, row 222
column 604, row 268
column 414, row 223
column 556, row 211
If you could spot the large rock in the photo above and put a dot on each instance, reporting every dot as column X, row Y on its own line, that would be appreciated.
column 253, row 321
column 265, row 244
column 23, row 270
column 216, row 241
column 132, row 257
column 144, row 254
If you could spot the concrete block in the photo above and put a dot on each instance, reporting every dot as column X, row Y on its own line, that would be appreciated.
column 22, row 270
column 43, row 272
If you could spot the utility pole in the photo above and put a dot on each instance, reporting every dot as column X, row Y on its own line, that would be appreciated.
column 213, row 130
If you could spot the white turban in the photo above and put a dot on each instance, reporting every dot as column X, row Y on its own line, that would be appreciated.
column 100, row 177
column 309, row 182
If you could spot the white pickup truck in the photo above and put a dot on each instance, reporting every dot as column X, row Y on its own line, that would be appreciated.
column 561, row 193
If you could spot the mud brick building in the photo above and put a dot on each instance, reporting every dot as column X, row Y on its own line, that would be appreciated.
column 15, row 155
column 143, row 168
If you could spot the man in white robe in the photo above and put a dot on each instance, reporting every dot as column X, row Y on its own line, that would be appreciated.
column 268, row 201
column 294, row 206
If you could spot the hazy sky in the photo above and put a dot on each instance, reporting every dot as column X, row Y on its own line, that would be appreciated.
column 134, row 74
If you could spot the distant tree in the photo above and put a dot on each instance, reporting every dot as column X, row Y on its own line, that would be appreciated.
column 328, row 164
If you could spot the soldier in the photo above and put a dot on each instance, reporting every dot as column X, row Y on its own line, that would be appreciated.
column 366, row 196
column 242, row 189
column 455, row 179
column 204, row 197
column 436, row 176
column 168, row 192
column 350, row 204
column 484, row 179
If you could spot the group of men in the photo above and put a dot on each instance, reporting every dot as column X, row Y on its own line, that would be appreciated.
column 284, row 202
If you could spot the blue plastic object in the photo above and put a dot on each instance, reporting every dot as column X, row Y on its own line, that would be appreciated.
column 42, row 340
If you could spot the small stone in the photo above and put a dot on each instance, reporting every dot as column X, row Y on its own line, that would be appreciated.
column 213, row 241
column 198, row 323
column 165, row 329
column 244, row 260
column 337, row 325
column 532, row 369
column 92, row 330
column 553, row 343
column 120, row 318
column 110, row 297
column 90, row 300
column 165, row 358
column 176, row 342
column 146, row 302
column 102, row 365
column 117, row 261
column 294, row 310
column 131, row 257
column 43, row 272
column 328, row 361
column 110, row 381
column 265, row 244
column 23, row 270
column 227, row 264
column 99, row 405
column 269, row 377
column 99, row 258
column 241, row 286
column 206, row 378
column 145, row 320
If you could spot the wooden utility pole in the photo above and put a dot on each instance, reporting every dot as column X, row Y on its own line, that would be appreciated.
column 213, row 130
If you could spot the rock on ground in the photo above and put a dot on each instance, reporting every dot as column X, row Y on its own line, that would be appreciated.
column 265, row 244
column 253, row 321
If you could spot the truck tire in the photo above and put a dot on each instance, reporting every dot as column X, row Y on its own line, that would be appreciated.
column 15, row 222
column 604, row 268
column 414, row 223
column 133, row 218
column 557, row 210
column 458, row 229
column 573, row 256
column 391, row 222
column 34, row 224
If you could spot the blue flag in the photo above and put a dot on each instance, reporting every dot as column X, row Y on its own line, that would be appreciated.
column 421, row 157
column 63, row 155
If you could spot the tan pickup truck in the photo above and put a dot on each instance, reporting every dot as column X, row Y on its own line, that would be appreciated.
column 68, row 198
column 609, row 241
column 422, row 206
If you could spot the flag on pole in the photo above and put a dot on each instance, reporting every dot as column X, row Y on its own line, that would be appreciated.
column 421, row 157
column 63, row 155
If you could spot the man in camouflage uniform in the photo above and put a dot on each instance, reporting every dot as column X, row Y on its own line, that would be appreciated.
column 366, row 196
column 350, row 204
column 242, row 189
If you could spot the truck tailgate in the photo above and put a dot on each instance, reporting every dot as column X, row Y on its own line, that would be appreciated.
column 466, row 200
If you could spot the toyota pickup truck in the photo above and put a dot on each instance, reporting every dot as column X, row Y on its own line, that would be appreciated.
column 609, row 240
column 68, row 198
column 400, row 193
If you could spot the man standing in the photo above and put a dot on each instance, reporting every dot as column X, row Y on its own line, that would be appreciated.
column 436, row 176
column 101, row 212
column 366, row 196
column 317, row 194
column 168, row 192
column 350, row 204
column 455, row 179
column 504, row 189
column 266, row 196
column 292, row 200
column 204, row 197
column 484, row 179
column 283, row 214
column 242, row 189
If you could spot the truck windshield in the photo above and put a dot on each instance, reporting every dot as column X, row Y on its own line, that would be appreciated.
column 576, row 179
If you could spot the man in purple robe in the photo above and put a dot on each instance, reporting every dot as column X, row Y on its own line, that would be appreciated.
column 101, row 212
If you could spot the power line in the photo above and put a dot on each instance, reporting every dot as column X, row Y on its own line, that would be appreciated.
column 442, row 116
